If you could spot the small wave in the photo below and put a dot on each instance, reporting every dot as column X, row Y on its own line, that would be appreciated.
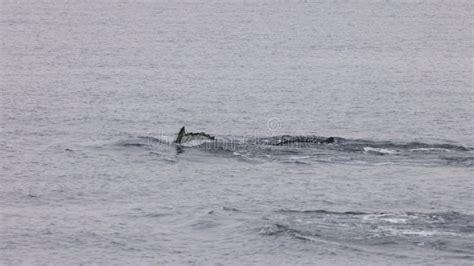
column 428, row 150
column 457, row 160
column 379, row 151
column 322, row 212
column 140, row 142
column 230, row 209
column 243, row 156
column 274, row 229
column 162, row 139
column 156, row 215
column 425, row 233
column 132, row 144
column 445, row 146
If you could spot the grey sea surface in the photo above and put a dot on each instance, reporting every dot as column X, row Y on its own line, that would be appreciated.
column 94, row 92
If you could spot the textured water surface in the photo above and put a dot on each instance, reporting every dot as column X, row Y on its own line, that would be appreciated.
column 343, row 132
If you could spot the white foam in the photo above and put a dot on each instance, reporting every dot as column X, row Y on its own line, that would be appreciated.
column 395, row 220
column 379, row 150
column 194, row 143
column 299, row 157
column 417, row 233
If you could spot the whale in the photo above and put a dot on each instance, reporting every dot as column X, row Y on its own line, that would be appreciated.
column 184, row 136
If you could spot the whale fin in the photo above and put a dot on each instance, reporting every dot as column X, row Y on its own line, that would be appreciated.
column 181, row 134
column 184, row 136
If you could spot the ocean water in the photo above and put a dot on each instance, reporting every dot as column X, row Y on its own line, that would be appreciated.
column 94, row 92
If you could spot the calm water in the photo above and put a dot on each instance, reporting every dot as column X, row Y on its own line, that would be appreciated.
column 93, row 92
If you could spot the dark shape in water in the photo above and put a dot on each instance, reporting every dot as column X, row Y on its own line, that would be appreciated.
column 289, row 140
